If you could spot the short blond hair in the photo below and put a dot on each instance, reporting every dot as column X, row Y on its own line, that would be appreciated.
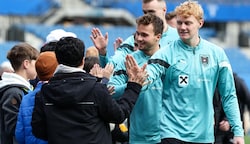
column 189, row 8
column 92, row 52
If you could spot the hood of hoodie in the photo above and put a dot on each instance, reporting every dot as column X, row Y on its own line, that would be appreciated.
column 14, row 79
column 65, row 89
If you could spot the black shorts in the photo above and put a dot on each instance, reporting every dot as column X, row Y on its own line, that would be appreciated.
column 176, row 141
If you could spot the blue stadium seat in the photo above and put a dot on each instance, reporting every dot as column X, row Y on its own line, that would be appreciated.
column 4, row 48
column 240, row 63
column 207, row 32
column 26, row 7
column 214, row 10
column 112, row 2
column 82, row 32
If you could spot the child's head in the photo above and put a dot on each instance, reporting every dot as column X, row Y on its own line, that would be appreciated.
column 89, row 62
column 46, row 65
column 22, row 58
column 21, row 52
column 92, row 52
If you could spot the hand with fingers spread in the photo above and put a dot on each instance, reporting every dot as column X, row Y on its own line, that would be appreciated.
column 99, row 40
column 97, row 71
column 117, row 43
column 134, row 72
column 108, row 71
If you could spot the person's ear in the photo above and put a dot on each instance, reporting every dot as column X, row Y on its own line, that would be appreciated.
column 165, row 9
column 158, row 36
column 201, row 22
column 26, row 63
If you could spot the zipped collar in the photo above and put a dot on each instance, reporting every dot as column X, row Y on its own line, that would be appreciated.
column 188, row 47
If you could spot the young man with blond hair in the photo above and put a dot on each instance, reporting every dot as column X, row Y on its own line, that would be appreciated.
column 190, row 69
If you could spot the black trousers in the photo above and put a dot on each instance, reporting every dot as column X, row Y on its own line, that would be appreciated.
column 176, row 141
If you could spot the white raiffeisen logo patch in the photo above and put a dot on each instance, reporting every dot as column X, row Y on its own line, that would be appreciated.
column 183, row 80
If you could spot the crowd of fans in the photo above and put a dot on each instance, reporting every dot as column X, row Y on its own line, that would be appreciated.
column 164, row 84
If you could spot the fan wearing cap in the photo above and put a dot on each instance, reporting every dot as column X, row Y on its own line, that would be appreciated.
column 5, row 67
column 45, row 67
column 50, row 44
column 53, row 37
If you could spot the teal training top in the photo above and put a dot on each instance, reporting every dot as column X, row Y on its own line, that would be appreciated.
column 125, row 48
column 145, row 117
column 190, row 75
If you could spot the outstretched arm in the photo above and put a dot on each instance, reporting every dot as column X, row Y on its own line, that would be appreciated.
column 117, row 43
column 99, row 40
column 117, row 110
column 103, row 73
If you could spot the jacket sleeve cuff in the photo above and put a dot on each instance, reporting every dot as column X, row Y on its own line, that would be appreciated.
column 134, row 86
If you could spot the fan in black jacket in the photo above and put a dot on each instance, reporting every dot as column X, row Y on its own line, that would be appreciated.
column 73, row 108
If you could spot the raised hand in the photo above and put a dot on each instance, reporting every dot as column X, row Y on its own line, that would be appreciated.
column 96, row 71
column 117, row 43
column 134, row 72
column 108, row 71
column 99, row 40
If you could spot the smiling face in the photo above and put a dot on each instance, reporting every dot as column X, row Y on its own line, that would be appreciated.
column 148, row 33
column 189, row 17
column 188, row 28
column 146, row 38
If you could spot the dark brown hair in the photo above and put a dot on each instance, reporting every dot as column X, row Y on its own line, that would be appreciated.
column 21, row 52
column 151, row 19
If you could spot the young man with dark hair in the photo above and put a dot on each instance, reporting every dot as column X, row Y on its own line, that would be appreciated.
column 144, row 122
column 45, row 66
column 156, row 7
